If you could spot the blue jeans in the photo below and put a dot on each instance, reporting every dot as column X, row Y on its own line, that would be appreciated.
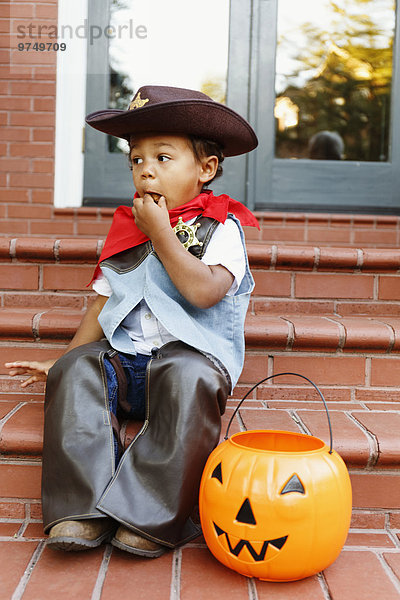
column 135, row 371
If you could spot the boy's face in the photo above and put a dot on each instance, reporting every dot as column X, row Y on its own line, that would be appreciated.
column 164, row 165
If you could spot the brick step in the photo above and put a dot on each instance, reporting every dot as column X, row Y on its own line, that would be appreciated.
column 284, row 332
column 44, row 221
column 368, row 567
column 366, row 438
column 289, row 279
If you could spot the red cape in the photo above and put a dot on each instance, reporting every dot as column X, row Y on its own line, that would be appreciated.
column 125, row 234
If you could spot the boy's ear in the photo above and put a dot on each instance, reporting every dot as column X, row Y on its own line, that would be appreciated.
column 209, row 166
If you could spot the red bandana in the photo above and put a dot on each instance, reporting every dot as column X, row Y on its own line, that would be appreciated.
column 125, row 234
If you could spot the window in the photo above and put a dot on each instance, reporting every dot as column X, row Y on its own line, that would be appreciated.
column 174, row 43
column 317, row 80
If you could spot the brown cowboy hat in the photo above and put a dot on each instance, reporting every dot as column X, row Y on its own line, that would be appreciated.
column 162, row 109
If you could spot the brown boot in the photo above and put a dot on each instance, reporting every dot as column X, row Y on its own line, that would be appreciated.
column 80, row 535
column 126, row 540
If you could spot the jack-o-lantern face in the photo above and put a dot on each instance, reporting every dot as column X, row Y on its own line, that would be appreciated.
column 275, row 514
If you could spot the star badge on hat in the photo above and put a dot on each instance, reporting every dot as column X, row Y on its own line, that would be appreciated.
column 137, row 102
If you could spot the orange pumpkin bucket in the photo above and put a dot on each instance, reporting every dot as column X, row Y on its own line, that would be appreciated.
column 275, row 505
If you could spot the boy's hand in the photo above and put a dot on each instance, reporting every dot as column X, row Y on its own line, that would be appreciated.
column 151, row 217
column 37, row 370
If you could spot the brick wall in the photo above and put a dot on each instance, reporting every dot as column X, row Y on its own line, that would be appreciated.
column 27, row 118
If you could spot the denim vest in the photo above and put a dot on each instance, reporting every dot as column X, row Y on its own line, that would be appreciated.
column 217, row 331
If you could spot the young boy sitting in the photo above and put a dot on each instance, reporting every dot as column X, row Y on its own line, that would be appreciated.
column 163, row 342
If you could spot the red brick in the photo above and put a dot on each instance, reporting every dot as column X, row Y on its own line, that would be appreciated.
column 271, row 283
column 368, row 520
column 20, row 481
column 33, row 248
column 255, row 368
column 371, row 395
column 5, row 408
column 9, row 529
column 219, row 583
column 338, row 370
column 366, row 334
column 33, row 88
column 12, row 510
column 393, row 560
column 348, row 439
column 78, row 250
column 371, row 309
column 389, row 288
column 14, row 277
column 359, row 575
column 141, row 577
column 283, row 234
column 384, row 238
column 33, row 119
column 16, row 323
column 33, row 150
column 14, row 195
column 307, row 589
column 318, row 285
column 293, row 307
column 61, row 575
column 35, row 180
column 43, row 135
column 335, row 236
column 44, row 104
column 93, row 228
column 385, row 371
column 42, row 196
column 52, row 228
column 34, row 531
column 36, row 510
column 386, row 427
column 43, row 166
column 375, row 490
column 14, row 134
column 59, row 324
column 13, row 227
column 32, row 352
column 331, row 258
column 14, row 559
column 23, row 433
column 381, row 259
column 267, row 332
column 44, row 300
column 46, row 12
column 299, row 257
column 29, row 212
column 315, row 333
column 369, row 540
column 60, row 277
column 268, row 419
column 14, row 165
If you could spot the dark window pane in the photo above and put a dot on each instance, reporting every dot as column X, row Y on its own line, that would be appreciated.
column 334, row 78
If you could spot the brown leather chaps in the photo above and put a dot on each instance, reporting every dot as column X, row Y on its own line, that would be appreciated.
column 155, row 486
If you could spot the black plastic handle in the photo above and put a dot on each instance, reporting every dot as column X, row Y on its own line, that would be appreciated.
column 280, row 375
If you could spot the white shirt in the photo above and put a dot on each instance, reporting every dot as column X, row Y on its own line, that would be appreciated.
column 225, row 248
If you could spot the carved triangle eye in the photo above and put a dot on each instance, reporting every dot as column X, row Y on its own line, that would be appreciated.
column 245, row 514
column 293, row 485
column 217, row 473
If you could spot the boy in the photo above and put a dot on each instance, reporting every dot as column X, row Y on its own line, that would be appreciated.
column 173, row 286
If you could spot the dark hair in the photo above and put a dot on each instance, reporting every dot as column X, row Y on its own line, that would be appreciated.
column 201, row 149
column 326, row 145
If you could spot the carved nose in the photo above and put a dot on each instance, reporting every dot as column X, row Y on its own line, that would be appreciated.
column 245, row 514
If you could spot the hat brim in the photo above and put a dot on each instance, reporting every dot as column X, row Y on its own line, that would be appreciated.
column 203, row 118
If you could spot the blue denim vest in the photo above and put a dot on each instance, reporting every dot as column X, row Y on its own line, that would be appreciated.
column 217, row 331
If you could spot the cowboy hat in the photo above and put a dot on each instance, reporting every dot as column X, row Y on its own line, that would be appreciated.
column 163, row 109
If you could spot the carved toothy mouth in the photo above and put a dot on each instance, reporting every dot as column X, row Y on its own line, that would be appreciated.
column 277, row 543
